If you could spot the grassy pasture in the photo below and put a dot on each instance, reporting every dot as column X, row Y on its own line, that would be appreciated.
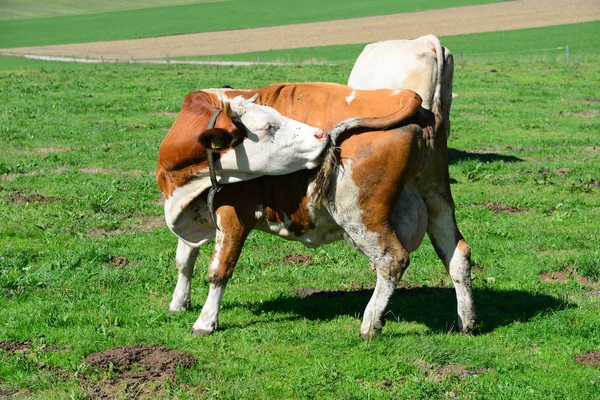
column 26, row 9
column 523, row 44
column 202, row 17
column 86, row 263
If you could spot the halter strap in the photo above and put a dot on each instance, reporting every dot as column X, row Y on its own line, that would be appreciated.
column 215, row 187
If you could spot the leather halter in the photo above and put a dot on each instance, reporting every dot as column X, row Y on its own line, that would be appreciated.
column 215, row 187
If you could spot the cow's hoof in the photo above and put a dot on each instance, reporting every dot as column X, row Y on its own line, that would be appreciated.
column 201, row 332
column 370, row 334
column 177, row 307
column 467, row 327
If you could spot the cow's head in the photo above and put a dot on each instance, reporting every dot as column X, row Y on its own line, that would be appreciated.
column 265, row 143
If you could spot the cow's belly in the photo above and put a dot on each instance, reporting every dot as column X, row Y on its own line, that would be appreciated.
column 322, row 229
column 409, row 218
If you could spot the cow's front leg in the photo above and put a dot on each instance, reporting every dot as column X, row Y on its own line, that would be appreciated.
column 184, row 259
column 228, row 246
column 390, row 268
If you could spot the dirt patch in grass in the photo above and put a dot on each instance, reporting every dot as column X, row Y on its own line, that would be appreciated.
column 500, row 207
column 17, row 346
column 591, row 101
column 18, row 197
column 298, row 259
column 51, row 150
column 141, row 371
column 105, row 171
column 565, row 276
column 438, row 373
column 119, row 262
column 586, row 114
column 591, row 358
column 593, row 293
column 147, row 224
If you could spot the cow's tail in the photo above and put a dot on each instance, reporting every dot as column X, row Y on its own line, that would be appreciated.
column 353, row 126
column 436, row 107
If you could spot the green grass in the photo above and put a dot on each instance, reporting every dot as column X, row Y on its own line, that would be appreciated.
column 192, row 18
column 86, row 137
column 583, row 39
column 26, row 9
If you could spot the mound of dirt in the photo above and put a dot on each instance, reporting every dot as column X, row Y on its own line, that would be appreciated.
column 17, row 197
column 142, row 370
column 17, row 346
column 591, row 358
column 564, row 276
column 298, row 259
column 500, row 207
column 438, row 372
column 119, row 262
column 156, row 360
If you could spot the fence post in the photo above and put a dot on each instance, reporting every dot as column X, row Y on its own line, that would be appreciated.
column 568, row 51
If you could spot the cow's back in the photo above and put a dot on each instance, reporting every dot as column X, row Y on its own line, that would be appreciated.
column 422, row 65
column 324, row 104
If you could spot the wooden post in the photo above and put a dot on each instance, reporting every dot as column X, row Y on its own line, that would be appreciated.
column 568, row 51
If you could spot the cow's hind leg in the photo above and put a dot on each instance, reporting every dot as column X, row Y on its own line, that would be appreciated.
column 184, row 259
column 455, row 253
column 390, row 267
column 228, row 247
column 390, row 259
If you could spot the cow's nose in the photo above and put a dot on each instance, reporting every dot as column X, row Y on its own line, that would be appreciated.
column 320, row 134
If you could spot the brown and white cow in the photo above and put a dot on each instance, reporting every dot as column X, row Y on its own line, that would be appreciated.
column 422, row 65
column 391, row 187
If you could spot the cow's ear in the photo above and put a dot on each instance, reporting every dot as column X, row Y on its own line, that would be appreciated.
column 237, row 106
column 216, row 139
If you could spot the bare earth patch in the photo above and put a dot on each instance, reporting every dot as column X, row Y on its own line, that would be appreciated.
column 298, row 259
column 501, row 207
column 141, row 371
column 586, row 114
column 119, row 262
column 17, row 346
column 564, row 276
column 18, row 197
column 147, row 224
column 437, row 373
column 51, row 150
column 591, row 358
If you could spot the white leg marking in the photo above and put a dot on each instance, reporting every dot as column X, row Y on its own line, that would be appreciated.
column 443, row 232
column 460, row 272
column 208, row 320
column 209, row 317
column 185, row 259
column 373, row 320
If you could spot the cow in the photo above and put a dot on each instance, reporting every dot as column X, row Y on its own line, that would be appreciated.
column 422, row 65
column 383, row 184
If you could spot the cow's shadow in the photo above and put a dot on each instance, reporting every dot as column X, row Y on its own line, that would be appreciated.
column 434, row 307
column 455, row 156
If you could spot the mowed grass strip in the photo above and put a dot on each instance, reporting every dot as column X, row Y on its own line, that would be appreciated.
column 535, row 43
column 86, row 265
column 193, row 18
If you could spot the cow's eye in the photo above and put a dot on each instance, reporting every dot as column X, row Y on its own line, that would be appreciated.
column 269, row 127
